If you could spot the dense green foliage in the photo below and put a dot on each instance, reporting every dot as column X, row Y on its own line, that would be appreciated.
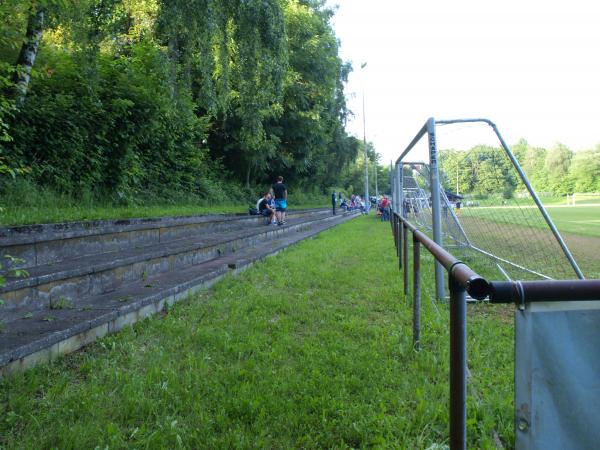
column 485, row 170
column 30, row 206
column 276, row 359
column 136, row 99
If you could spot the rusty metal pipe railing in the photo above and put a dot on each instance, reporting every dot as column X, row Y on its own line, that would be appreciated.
column 521, row 292
column 416, row 294
column 475, row 285
column 461, row 279
column 405, row 257
column 458, row 364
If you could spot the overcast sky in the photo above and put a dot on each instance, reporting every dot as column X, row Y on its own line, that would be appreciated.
column 532, row 67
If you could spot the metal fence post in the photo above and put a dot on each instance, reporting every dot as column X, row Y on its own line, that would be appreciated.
column 458, row 365
column 405, row 256
column 416, row 294
column 393, row 224
column 393, row 187
column 400, row 186
column 436, row 217
column 400, row 237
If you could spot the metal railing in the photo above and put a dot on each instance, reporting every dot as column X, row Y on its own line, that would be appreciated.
column 462, row 280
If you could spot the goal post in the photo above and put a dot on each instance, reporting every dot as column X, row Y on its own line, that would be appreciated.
column 584, row 198
column 506, row 228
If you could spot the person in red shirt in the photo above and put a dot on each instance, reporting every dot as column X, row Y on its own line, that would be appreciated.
column 385, row 209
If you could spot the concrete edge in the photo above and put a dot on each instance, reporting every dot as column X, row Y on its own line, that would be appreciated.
column 30, row 234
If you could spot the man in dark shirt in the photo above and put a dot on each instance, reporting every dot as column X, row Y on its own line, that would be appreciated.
column 265, row 209
column 280, row 193
column 333, row 201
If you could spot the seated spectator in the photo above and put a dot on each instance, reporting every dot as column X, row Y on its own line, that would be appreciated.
column 266, row 207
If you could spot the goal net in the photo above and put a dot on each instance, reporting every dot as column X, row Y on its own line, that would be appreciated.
column 489, row 216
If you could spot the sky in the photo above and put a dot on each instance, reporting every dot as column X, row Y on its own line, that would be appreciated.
column 532, row 67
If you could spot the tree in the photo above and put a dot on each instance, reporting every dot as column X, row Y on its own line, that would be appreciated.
column 134, row 98
column 557, row 166
column 585, row 170
column 29, row 50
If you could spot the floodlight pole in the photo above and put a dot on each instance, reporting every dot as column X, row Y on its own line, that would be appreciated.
column 376, row 185
column 367, row 199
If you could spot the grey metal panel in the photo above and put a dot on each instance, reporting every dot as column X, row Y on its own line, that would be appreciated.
column 557, row 376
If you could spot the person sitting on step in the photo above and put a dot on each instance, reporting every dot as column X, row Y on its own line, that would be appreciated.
column 266, row 209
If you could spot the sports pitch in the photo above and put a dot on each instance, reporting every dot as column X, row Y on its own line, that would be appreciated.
column 583, row 220
column 578, row 225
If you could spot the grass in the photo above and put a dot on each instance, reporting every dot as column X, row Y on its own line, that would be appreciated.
column 16, row 215
column 54, row 213
column 582, row 220
column 308, row 349
column 521, row 235
column 23, row 202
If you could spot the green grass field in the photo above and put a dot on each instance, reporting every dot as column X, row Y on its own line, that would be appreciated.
column 579, row 227
column 311, row 348
column 584, row 220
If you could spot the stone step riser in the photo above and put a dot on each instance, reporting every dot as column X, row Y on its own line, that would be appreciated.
column 50, row 251
column 66, row 291
column 71, row 335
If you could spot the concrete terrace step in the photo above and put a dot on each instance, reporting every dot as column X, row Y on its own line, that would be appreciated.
column 96, row 274
column 38, row 335
column 52, row 243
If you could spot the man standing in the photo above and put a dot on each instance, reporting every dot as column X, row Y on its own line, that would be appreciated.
column 280, row 193
column 385, row 209
column 333, row 201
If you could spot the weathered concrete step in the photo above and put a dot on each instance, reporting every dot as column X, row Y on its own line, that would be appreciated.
column 49, row 244
column 40, row 336
column 64, row 284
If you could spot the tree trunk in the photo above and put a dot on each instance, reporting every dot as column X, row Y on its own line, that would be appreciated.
column 28, row 53
column 174, row 55
column 248, row 175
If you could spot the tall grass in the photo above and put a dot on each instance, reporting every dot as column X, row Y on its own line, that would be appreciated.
column 23, row 202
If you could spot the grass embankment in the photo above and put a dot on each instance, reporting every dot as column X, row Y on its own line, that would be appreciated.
column 15, row 215
column 308, row 349
column 50, row 214
column 68, row 211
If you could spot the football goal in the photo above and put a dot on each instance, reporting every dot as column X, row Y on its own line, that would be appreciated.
column 478, row 203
